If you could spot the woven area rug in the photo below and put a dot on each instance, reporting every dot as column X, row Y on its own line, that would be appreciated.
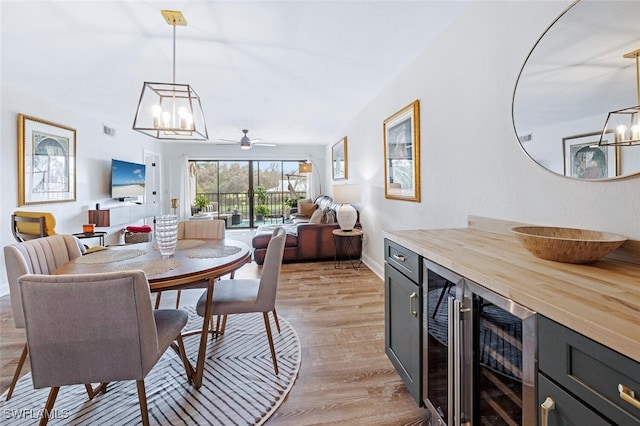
column 239, row 385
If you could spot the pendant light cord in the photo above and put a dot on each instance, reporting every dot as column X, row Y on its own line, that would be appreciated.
column 174, row 51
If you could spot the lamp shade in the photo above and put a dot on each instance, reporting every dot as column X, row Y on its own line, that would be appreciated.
column 305, row 168
column 346, row 215
column 346, row 194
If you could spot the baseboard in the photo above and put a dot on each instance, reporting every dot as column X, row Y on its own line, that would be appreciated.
column 375, row 267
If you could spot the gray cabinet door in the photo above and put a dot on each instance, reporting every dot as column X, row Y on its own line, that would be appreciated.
column 568, row 410
column 403, row 332
column 588, row 370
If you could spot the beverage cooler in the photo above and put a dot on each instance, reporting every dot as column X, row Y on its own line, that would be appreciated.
column 479, row 353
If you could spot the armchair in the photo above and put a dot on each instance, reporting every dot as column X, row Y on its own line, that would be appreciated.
column 30, row 225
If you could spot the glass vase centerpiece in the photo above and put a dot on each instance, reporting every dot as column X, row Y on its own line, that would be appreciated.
column 167, row 234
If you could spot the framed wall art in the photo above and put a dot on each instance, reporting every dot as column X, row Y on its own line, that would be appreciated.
column 46, row 161
column 584, row 159
column 402, row 154
column 339, row 160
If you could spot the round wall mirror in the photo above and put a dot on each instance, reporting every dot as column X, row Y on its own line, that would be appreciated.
column 574, row 76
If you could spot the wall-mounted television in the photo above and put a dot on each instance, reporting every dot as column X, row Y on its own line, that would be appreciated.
column 127, row 179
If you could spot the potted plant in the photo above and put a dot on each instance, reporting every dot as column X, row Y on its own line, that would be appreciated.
column 291, row 203
column 200, row 202
column 261, row 212
column 261, row 209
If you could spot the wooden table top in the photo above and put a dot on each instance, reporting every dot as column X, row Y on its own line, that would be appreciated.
column 600, row 300
column 194, row 260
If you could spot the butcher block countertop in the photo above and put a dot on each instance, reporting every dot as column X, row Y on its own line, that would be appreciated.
column 600, row 300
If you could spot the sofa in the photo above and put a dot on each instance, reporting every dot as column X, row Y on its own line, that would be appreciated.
column 309, row 233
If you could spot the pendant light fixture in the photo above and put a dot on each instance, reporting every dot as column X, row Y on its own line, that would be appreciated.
column 171, row 111
column 625, row 123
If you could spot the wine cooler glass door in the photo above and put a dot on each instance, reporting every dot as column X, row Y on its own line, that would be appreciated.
column 443, row 344
column 503, row 362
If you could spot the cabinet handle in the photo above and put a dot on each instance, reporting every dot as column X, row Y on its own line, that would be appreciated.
column 451, row 360
column 399, row 257
column 628, row 395
column 455, row 357
column 411, row 310
column 548, row 405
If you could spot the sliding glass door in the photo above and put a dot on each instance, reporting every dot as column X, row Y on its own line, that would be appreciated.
column 248, row 193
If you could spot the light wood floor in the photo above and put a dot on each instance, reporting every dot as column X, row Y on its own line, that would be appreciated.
column 338, row 314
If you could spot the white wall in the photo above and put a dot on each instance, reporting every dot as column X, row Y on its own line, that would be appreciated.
column 94, row 152
column 471, row 162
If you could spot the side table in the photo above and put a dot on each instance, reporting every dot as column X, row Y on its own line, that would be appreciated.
column 344, row 247
column 98, row 234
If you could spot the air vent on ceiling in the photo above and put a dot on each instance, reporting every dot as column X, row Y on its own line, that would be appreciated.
column 108, row 130
column 526, row 137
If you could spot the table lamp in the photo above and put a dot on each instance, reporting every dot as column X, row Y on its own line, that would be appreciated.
column 345, row 195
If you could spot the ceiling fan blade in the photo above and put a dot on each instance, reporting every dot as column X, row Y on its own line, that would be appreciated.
column 256, row 140
column 228, row 140
column 264, row 144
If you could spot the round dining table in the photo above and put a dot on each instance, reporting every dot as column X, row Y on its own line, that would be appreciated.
column 194, row 261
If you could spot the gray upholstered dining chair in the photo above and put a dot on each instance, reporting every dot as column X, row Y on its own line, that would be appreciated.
column 37, row 256
column 197, row 230
column 96, row 328
column 201, row 229
column 249, row 295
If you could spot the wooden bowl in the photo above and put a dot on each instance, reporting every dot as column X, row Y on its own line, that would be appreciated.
column 568, row 245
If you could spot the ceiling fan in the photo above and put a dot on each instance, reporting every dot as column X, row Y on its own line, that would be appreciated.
column 246, row 143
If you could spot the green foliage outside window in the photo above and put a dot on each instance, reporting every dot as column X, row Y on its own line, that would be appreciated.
column 292, row 202
column 262, row 210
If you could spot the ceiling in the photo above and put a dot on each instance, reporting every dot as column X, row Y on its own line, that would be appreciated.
column 292, row 72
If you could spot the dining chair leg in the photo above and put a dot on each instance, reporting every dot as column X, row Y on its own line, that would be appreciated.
column 202, row 349
column 265, row 315
column 102, row 387
column 224, row 324
column 178, row 299
column 48, row 407
column 183, row 356
column 16, row 375
column 220, row 327
column 142, row 398
column 275, row 318
column 158, row 296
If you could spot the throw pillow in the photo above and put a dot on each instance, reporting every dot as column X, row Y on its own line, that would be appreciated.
column 328, row 216
column 316, row 217
column 307, row 209
column 303, row 200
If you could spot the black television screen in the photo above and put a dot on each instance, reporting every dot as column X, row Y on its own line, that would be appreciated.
column 127, row 179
